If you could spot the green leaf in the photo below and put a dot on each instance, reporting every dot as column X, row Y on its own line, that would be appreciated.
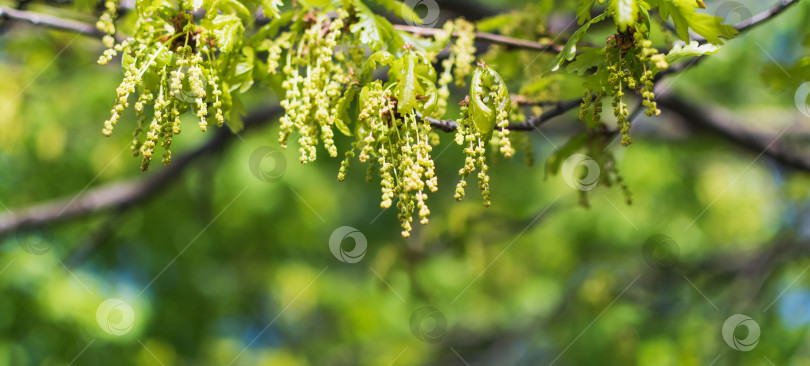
column 237, row 112
column 569, row 51
column 381, row 58
column 228, row 30
column 625, row 13
column 684, row 15
column 270, row 8
column 401, row 10
column 495, row 23
column 340, row 123
column 422, row 44
column 375, row 31
column 242, row 78
column 406, row 88
column 555, row 160
column 589, row 58
column 691, row 50
column 314, row 3
column 584, row 11
column 270, row 30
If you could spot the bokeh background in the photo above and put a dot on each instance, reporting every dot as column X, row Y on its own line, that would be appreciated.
column 220, row 267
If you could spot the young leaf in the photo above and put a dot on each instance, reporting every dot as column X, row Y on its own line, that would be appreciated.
column 569, row 51
column 690, row 50
column 242, row 78
column 375, row 31
column 584, row 11
column 237, row 112
column 401, row 10
column 684, row 15
column 270, row 8
column 589, row 58
column 625, row 13
column 228, row 29
column 235, row 7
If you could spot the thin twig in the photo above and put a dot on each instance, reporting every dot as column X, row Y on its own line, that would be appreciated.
column 509, row 42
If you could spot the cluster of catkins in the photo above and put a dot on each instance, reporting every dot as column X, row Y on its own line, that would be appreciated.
column 626, row 58
column 315, row 77
column 324, row 67
column 459, row 62
column 173, row 64
column 471, row 139
column 400, row 145
column 174, row 74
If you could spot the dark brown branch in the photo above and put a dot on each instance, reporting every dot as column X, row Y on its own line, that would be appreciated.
column 123, row 194
column 531, row 123
column 766, row 145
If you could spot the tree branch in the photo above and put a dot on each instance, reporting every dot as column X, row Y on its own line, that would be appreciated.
column 743, row 26
column 765, row 16
column 123, row 194
column 50, row 21
column 508, row 42
column 757, row 144
column 53, row 22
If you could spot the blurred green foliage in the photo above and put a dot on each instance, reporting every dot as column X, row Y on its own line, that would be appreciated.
column 221, row 268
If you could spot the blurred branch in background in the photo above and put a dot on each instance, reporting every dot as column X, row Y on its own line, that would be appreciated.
column 123, row 194
column 53, row 22
column 753, row 142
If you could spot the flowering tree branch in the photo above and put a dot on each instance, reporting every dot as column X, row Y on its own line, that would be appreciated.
column 122, row 195
column 53, row 22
